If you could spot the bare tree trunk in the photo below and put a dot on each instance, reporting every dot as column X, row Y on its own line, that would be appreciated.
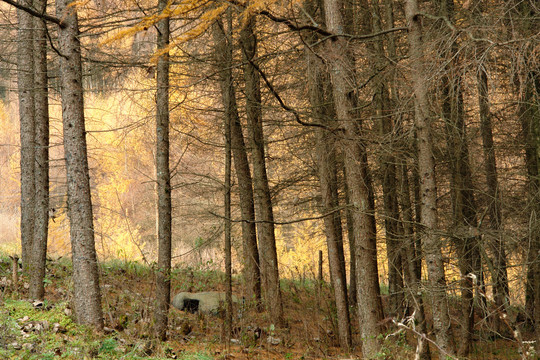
column 39, row 248
column 322, row 112
column 87, row 296
column 426, row 168
column 358, row 180
column 499, row 272
column 219, row 34
column 530, row 117
column 462, row 190
column 267, row 240
column 25, row 75
column 381, row 102
column 164, row 221
column 351, row 234
column 249, row 235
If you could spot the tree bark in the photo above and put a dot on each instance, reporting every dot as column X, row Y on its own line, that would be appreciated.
column 428, row 192
column 227, row 91
column 320, row 101
column 26, row 86
column 163, row 177
column 224, row 61
column 358, row 180
column 39, row 248
column 87, row 296
column 381, row 103
column 494, row 225
column 267, row 240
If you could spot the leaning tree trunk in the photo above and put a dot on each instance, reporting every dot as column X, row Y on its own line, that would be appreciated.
column 163, row 177
column 428, row 192
column 267, row 240
column 341, row 63
column 25, row 76
column 326, row 162
column 39, row 246
column 87, row 296
column 224, row 62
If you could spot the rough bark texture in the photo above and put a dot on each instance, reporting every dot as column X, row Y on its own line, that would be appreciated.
column 428, row 192
column 267, row 240
column 25, row 75
column 326, row 162
column 227, row 91
column 39, row 246
column 358, row 180
column 163, row 177
column 87, row 296
column 224, row 60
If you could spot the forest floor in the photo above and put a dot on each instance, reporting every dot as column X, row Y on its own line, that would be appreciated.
column 46, row 330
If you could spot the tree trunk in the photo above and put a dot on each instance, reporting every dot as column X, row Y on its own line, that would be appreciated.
column 463, row 202
column 39, row 248
column 499, row 272
column 428, row 192
column 381, row 103
column 267, row 240
column 219, row 34
column 358, row 180
column 351, row 231
column 322, row 112
column 25, row 75
column 87, row 296
column 249, row 235
column 163, row 177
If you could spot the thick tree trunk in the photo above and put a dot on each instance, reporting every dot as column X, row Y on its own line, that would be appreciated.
column 428, row 192
column 87, row 296
column 358, row 180
column 249, row 235
column 39, row 248
column 163, row 177
column 267, row 240
column 26, row 86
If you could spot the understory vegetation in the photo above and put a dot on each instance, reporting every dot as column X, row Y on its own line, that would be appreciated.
column 46, row 329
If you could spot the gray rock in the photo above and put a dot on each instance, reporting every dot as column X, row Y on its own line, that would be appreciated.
column 209, row 302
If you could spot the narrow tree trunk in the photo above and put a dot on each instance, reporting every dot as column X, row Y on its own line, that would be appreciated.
column 358, row 180
column 499, row 273
column 267, row 240
column 351, row 235
column 164, row 221
column 426, row 168
column 249, row 235
column 218, row 29
column 321, row 111
column 87, row 296
column 39, row 248
column 463, row 202
column 25, row 75
column 530, row 120
column 381, row 105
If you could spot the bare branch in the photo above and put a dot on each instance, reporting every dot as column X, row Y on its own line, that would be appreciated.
column 35, row 13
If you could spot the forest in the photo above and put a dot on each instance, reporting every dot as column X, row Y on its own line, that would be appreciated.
column 335, row 178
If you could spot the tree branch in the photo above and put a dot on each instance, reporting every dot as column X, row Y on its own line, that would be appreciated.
column 35, row 13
